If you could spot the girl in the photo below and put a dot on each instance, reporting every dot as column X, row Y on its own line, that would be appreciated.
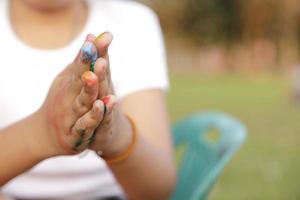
column 97, row 135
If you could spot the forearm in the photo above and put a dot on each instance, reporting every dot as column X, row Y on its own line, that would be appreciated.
column 21, row 147
column 149, row 172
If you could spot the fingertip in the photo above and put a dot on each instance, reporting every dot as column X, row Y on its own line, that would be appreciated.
column 108, row 36
column 97, row 105
column 88, row 52
column 106, row 100
column 103, row 41
column 99, row 108
column 110, row 101
column 101, row 62
column 89, row 79
column 90, row 37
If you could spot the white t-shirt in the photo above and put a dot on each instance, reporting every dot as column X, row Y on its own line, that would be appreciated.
column 137, row 63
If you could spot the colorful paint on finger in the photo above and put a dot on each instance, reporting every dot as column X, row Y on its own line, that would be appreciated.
column 89, row 52
column 100, row 37
column 88, row 78
column 106, row 100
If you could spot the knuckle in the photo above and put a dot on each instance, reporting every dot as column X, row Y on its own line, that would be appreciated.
column 79, row 107
column 92, row 122
column 81, row 124
column 75, row 77
column 96, row 118
column 87, row 96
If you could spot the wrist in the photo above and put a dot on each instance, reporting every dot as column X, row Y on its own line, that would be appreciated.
column 43, row 141
column 122, row 137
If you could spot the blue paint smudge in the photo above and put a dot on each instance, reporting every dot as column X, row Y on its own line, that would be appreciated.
column 89, row 52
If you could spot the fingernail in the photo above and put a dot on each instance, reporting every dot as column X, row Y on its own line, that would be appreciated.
column 87, row 78
column 106, row 100
column 88, row 52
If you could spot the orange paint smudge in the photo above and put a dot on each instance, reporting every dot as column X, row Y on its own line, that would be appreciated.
column 88, row 78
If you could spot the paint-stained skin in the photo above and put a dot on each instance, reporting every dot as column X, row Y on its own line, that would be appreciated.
column 106, row 100
column 55, row 117
column 89, row 52
column 88, row 79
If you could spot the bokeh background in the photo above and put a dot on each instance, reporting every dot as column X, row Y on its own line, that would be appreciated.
column 241, row 57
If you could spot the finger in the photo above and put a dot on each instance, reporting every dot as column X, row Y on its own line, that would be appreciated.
column 110, row 101
column 101, row 67
column 87, row 54
column 108, row 75
column 105, row 130
column 84, row 127
column 102, row 43
column 88, row 94
column 90, row 38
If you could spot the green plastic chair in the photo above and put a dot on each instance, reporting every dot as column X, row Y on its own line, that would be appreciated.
column 202, row 157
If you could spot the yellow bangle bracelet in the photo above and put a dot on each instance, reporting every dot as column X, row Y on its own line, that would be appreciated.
column 123, row 156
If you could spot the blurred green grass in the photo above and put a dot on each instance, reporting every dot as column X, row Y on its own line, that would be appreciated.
column 268, row 165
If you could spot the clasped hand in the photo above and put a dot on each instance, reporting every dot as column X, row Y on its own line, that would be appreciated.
column 80, row 109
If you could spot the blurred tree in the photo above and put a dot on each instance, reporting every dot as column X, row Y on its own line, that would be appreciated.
column 203, row 21
column 170, row 13
column 259, row 18
column 289, row 32
column 211, row 21
column 262, row 28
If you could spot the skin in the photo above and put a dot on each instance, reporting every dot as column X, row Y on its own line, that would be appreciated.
column 55, row 125
column 152, row 157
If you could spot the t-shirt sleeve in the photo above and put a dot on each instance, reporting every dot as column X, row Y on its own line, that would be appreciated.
column 143, row 61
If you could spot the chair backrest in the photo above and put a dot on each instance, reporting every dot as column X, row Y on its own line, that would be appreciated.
column 200, row 158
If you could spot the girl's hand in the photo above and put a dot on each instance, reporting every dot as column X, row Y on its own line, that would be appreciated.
column 71, row 109
column 106, row 139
